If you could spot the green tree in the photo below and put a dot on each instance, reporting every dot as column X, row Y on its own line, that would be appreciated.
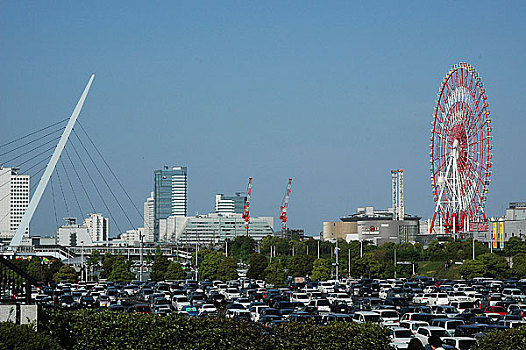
column 514, row 246
column 518, row 268
column 321, row 270
column 120, row 271
column 51, row 269
column 209, row 266
column 107, row 265
column 174, row 271
column 241, row 247
column 227, row 269
column 94, row 258
column 275, row 273
column 368, row 265
column 35, row 268
column 66, row 273
column 472, row 268
column 257, row 265
column 300, row 265
column 159, row 267
column 496, row 266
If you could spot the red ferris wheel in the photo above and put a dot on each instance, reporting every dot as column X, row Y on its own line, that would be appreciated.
column 460, row 155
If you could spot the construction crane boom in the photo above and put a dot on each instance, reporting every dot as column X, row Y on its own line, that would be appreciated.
column 284, row 206
column 246, row 208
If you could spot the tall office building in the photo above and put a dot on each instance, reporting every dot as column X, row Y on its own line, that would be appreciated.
column 98, row 227
column 230, row 204
column 14, row 200
column 149, row 207
column 170, row 194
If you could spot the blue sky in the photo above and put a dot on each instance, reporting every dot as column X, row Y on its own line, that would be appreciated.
column 334, row 94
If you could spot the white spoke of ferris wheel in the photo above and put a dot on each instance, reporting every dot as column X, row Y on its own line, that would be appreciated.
column 443, row 185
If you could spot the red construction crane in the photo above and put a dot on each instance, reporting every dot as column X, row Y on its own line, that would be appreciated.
column 246, row 208
column 284, row 206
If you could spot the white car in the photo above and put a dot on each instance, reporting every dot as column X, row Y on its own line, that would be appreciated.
column 300, row 297
column 438, row 299
column 180, row 301
column 400, row 335
column 340, row 297
column 366, row 316
column 413, row 325
column 322, row 305
column 388, row 317
column 207, row 308
column 460, row 343
column 424, row 333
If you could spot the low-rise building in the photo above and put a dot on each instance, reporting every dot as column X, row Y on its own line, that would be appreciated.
column 372, row 225
column 212, row 228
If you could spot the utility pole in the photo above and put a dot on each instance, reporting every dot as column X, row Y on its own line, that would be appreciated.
column 82, row 262
column 226, row 247
column 349, row 262
column 473, row 233
column 337, row 261
column 196, row 254
column 361, row 248
column 318, row 249
column 140, row 257
column 395, row 263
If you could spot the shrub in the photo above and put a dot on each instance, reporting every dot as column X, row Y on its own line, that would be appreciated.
column 336, row 335
column 504, row 340
column 91, row 329
column 15, row 337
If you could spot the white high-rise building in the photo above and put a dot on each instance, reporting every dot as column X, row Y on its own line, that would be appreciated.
column 230, row 204
column 73, row 235
column 149, row 218
column 179, row 195
column 14, row 200
column 98, row 227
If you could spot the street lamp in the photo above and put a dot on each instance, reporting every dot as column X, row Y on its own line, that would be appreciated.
column 82, row 262
column 140, row 256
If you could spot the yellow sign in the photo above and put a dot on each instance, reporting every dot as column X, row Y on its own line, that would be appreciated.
column 494, row 235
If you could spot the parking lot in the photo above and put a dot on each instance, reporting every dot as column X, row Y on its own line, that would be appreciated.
column 459, row 312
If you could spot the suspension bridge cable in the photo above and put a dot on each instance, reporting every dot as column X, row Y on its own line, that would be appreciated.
column 54, row 206
column 62, row 190
column 31, row 150
column 30, row 142
column 33, row 133
column 115, row 176
column 104, row 179
column 72, row 189
column 37, row 164
column 38, row 155
column 80, row 180
column 35, row 184
column 93, row 182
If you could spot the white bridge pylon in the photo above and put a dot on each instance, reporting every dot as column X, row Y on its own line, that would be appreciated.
column 35, row 199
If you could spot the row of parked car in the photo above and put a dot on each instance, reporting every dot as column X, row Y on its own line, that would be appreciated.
column 459, row 312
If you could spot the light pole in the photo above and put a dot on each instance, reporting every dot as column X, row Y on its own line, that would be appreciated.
column 395, row 263
column 361, row 248
column 349, row 262
column 82, row 261
column 140, row 256
column 337, row 261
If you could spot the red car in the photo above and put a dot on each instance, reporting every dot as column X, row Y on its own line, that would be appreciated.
column 496, row 310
